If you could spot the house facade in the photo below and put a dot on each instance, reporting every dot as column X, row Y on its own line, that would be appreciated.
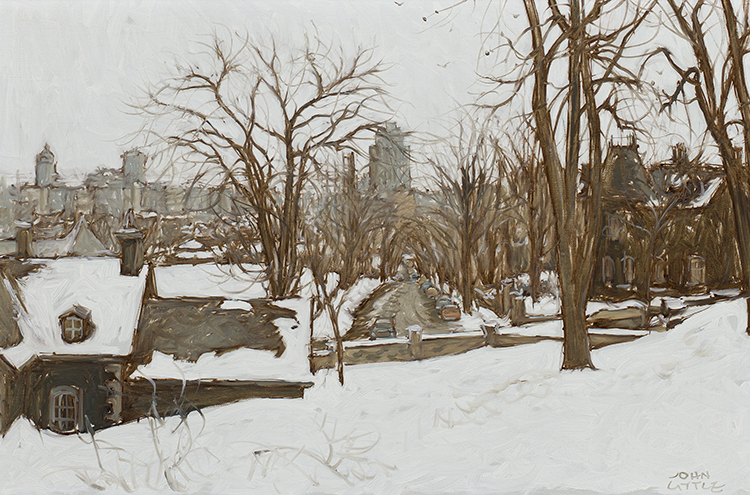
column 11, row 395
column 668, row 227
column 77, row 318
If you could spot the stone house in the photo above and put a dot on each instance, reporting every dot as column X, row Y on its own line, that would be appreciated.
column 74, row 328
column 677, row 212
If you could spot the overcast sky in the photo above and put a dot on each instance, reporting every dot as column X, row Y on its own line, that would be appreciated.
column 68, row 67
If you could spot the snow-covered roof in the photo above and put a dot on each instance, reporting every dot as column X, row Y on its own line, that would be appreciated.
column 94, row 284
column 707, row 194
column 191, row 244
column 210, row 280
column 245, row 364
column 79, row 242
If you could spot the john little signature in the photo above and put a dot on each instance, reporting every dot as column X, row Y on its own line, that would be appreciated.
column 694, row 481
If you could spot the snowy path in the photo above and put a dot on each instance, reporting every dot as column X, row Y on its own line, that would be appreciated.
column 408, row 306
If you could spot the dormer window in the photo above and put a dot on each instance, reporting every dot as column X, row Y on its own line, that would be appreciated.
column 73, row 329
column 76, row 325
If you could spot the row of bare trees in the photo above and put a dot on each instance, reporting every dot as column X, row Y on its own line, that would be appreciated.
column 489, row 195
column 593, row 44
column 457, row 233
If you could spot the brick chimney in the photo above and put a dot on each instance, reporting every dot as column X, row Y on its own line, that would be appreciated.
column 23, row 239
column 131, row 242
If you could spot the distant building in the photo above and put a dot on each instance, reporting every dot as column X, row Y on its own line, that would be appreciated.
column 53, row 207
column 390, row 166
column 134, row 166
column 46, row 168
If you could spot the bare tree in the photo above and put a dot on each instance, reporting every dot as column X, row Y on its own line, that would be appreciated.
column 718, row 36
column 261, row 120
column 527, row 186
column 468, row 206
column 326, row 287
column 588, row 45
column 338, row 232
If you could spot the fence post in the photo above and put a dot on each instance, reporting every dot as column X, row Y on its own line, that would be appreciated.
column 415, row 341
column 518, row 311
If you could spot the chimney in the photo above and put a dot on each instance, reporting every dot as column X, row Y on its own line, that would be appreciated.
column 679, row 153
column 23, row 239
column 131, row 242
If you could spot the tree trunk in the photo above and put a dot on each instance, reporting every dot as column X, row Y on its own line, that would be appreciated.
column 270, row 253
column 505, row 253
column 489, row 276
column 534, row 255
column 574, row 261
column 649, row 269
column 334, row 315
column 312, row 317
column 735, row 177
column 465, row 277
column 739, row 182
column 576, row 351
column 736, row 172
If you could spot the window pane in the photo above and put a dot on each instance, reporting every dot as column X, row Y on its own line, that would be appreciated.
column 65, row 409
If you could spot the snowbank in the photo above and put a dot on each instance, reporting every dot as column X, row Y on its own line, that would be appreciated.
column 353, row 298
column 547, row 305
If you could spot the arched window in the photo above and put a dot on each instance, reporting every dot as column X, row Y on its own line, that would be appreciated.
column 608, row 270
column 659, row 272
column 614, row 226
column 628, row 269
column 696, row 270
column 65, row 409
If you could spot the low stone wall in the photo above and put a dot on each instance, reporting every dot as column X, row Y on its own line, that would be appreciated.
column 174, row 397
column 401, row 349
column 418, row 347
column 596, row 340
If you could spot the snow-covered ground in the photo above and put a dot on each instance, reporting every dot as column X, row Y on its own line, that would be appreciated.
column 665, row 407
